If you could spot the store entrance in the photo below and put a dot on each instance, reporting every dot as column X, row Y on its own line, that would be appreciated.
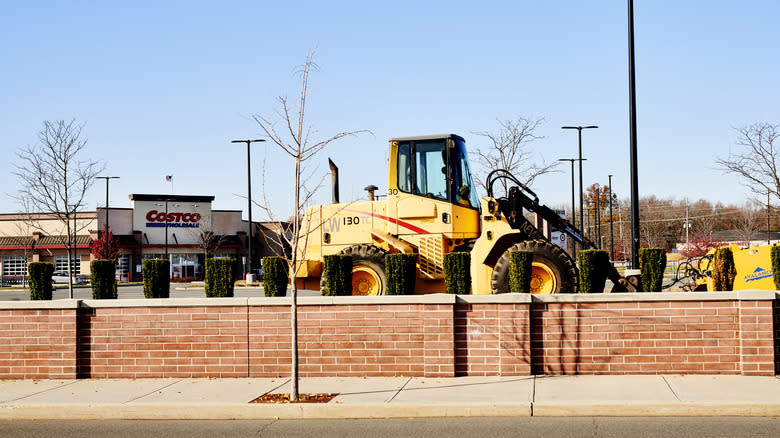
column 185, row 267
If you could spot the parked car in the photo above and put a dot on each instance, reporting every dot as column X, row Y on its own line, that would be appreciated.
column 61, row 277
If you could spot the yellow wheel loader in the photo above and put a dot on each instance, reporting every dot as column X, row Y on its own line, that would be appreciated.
column 431, row 209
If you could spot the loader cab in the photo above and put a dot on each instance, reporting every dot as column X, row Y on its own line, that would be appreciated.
column 434, row 167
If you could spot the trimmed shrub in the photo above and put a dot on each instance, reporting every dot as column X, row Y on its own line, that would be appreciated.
column 40, row 280
column 723, row 270
column 457, row 273
column 520, row 271
column 652, row 264
column 157, row 278
column 401, row 271
column 337, row 275
column 219, row 277
column 103, row 278
column 276, row 275
column 593, row 264
column 776, row 266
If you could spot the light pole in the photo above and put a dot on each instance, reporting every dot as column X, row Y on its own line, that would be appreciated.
column 573, row 220
column 633, row 150
column 611, row 223
column 71, row 252
column 249, row 197
column 597, row 216
column 579, row 157
column 105, row 250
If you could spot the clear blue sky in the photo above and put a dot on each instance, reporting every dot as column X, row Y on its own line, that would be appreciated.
column 164, row 86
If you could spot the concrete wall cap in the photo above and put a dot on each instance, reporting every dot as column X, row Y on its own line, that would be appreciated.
column 40, row 305
column 383, row 299
column 166, row 302
column 497, row 299
column 743, row 295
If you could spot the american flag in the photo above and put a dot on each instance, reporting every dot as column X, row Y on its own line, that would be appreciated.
column 169, row 178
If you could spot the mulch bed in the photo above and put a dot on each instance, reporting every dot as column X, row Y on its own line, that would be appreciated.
column 302, row 398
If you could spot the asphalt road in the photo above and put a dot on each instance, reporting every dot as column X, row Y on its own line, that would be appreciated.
column 178, row 290
column 419, row 427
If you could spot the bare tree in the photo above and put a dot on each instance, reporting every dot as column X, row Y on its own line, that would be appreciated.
column 756, row 162
column 508, row 148
column 295, row 141
column 748, row 222
column 54, row 179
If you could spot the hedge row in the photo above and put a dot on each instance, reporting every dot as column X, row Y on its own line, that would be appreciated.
column 520, row 271
column 652, row 264
column 457, row 273
column 40, row 280
column 593, row 264
column 276, row 275
column 220, row 273
column 337, row 275
column 401, row 271
column 103, row 279
column 157, row 278
column 723, row 270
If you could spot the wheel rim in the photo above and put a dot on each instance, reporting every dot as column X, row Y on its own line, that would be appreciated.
column 542, row 279
column 365, row 281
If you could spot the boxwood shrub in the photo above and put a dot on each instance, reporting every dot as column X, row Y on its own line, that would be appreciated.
column 103, row 278
column 593, row 264
column 652, row 263
column 401, row 271
column 40, row 280
column 723, row 270
column 337, row 275
column 276, row 275
column 457, row 273
column 520, row 271
column 220, row 273
column 157, row 278
column 776, row 266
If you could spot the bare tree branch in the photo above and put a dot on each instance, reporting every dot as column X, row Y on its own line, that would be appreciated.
column 508, row 148
column 755, row 161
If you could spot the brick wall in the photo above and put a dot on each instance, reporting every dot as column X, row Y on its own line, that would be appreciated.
column 650, row 337
column 38, row 340
column 144, row 340
column 431, row 335
column 354, row 340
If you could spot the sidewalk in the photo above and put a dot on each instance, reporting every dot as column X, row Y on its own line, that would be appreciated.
column 386, row 397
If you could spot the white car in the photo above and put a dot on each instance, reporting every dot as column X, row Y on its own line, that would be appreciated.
column 61, row 277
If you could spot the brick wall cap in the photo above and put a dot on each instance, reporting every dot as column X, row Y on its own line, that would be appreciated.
column 166, row 302
column 384, row 299
column 40, row 305
column 743, row 295
column 498, row 298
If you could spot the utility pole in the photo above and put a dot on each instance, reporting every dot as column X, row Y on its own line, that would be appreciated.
column 105, row 250
column 249, row 199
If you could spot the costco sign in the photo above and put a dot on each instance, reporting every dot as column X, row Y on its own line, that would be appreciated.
column 156, row 218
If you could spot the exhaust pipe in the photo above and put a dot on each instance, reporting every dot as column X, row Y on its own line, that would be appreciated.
column 334, row 176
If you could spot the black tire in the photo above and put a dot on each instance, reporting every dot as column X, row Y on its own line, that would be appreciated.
column 371, row 260
column 549, row 256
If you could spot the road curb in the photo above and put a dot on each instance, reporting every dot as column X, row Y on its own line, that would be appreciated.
column 256, row 411
column 680, row 409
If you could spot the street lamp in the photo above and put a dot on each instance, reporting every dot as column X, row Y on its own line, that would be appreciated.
column 579, row 135
column 105, row 251
column 572, row 160
column 71, row 251
column 611, row 223
column 249, row 196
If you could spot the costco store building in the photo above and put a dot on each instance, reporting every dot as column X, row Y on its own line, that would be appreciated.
column 192, row 229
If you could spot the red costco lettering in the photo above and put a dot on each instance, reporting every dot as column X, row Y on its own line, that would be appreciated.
column 159, row 216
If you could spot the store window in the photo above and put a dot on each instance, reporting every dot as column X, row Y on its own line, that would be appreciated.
column 15, row 266
column 61, row 264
